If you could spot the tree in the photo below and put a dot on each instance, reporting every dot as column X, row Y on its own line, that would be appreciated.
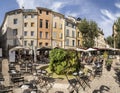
column 110, row 41
column 89, row 30
column 117, row 40
column 117, row 36
column 117, row 24
column 63, row 61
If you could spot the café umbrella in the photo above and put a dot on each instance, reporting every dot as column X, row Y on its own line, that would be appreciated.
column 91, row 49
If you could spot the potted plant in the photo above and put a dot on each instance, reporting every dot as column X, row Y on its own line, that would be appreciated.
column 108, row 64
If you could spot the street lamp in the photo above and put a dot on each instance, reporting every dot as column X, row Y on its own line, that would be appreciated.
column 31, row 45
column 22, row 38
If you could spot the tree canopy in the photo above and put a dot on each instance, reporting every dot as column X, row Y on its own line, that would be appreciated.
column 89, row 30
column 117, row 36
column 117, row 24
column 110, row 41
column 63, row 61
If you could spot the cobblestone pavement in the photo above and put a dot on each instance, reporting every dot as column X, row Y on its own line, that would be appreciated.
column 104, row 84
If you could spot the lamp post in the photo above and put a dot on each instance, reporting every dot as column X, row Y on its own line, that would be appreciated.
column 31, row 46
column 22, row 38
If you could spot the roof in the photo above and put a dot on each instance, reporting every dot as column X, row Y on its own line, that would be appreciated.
column 70, row 20
column 7, row 13
column 42, row 8
column 59, row 14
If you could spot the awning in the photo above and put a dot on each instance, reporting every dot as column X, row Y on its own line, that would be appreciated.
column 19, row 48
column 80, row 49
column 43, row 49
column 91, row 49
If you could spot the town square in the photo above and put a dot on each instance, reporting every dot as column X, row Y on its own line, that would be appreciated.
column 58, row 46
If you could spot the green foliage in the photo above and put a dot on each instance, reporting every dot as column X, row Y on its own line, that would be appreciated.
column 110, row 40
column 89, row 30
column 117, row 24
column 63, row 61
column 117, row 40
column 57, row 54
column 108, row 62
column 117, row 36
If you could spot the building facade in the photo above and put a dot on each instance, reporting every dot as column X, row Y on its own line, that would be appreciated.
column 58, row 30
column 30, row 28
column 40, row 27
column 100, row 41
column 44, row 27
column 12, row 30
column 70, row 34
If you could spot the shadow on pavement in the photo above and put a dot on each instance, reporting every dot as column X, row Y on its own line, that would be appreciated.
column 101, row 89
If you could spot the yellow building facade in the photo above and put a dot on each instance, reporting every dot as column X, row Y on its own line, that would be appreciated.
column 58, row 30
column 30, row 28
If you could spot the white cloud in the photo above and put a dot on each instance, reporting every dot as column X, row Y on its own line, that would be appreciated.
column 107, row 20
column 107, row 14
column 106, row 25
column 20, row 3
column 33, row 3
column 69, row 13
column 56, row 6
column 52, row 4
column 117, row 4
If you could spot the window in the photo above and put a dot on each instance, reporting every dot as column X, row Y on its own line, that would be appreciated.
column 32, row 42
column 32, row 24
column 60, row 26
column 40, row 11
column 25, row 43
column 54, row 16
column 41, row 23
column 60, row 44
column 60, row 35
column 67, row 32
column 47, row 13
column 67, row 23
column 32, row 33
column 25, row 24
column 46, row 44
column 55, row 25
column 15, row 21
column 78, row 34
column 15, row 32
column 25, row 16
column 78, row 42
column 72, row 26
column 40, row 34
column 67, row 42
column 47, row 23
column 40, row 44
column 32, row 16
column 73, row 34
column 25, row 33
column 54, row 34
column 16, row 13
column 14, row 41
column 46, row 34
column 73, row 42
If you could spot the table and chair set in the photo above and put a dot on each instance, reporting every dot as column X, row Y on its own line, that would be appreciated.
column 44, row 78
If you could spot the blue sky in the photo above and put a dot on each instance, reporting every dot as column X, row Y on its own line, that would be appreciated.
column 104, row 12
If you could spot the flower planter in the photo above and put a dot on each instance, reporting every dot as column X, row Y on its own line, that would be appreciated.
column 108, row 64
column 108, row 67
